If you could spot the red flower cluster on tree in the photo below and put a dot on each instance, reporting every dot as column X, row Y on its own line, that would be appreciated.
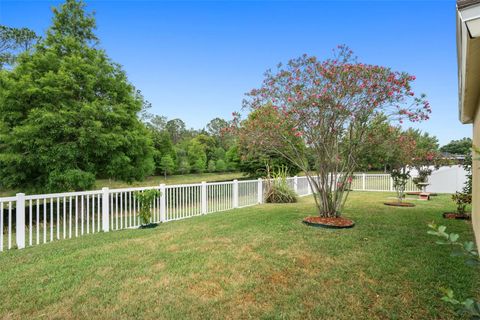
column 321, row 110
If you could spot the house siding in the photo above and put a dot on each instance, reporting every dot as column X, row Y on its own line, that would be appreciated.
column 476, row 179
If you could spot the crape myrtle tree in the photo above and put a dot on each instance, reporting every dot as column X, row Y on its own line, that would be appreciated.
column 410, row 149
column 425, row 156
column 403, row 146
column 328, row 106
column 68, row 113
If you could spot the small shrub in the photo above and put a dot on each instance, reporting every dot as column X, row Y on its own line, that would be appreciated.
column 400, row 180
column 199, row 165
column 211, row 166
column 183, row 166
column 461, row 200
column 221, row 166
column 145, row 200
column 277, row 189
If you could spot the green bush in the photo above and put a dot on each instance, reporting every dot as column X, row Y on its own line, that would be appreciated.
column 145, row 200
column 211, row 166
column 277, row 189
column 461, row 200
column 183, row 166
column 70, row 180
column 220, row 165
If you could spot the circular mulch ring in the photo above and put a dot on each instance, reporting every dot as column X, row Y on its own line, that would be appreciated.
column 416, row 193
column 332, row 223
column 399, row 204
column 455, row 215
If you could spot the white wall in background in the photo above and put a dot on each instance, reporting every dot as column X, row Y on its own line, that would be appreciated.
column 447, row 179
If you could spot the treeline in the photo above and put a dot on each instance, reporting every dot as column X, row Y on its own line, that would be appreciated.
column 180, row 150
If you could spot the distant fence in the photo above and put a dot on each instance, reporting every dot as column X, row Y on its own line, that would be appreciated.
column 378, row 182
column 28, row 220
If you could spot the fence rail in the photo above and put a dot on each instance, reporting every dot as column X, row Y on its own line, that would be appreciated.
column 29, row 220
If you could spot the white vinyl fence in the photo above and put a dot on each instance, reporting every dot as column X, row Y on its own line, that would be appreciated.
column 28, row 220
column 378, row 182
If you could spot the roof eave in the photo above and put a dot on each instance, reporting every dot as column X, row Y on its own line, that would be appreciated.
column 468, row 51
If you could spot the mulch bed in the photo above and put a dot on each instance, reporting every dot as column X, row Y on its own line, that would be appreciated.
column 455, row 215
column 399, row 204
column 333, row 223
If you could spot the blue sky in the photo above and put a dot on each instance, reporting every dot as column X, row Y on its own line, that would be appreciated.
column 195, row 60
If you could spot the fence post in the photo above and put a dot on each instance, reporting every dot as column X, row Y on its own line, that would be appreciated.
column 20, row 221
column 204, row 197
column 363, row 181
column 105, row 210
column 260, row 191
column 162, row 202
column 295, row 184
column 235, row 193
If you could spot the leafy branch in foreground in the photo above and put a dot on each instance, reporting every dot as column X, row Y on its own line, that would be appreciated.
column 467, row 249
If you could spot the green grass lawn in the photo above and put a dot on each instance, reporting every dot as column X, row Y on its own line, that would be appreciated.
column 155, row 180
column 256, row 262
column 175, row 179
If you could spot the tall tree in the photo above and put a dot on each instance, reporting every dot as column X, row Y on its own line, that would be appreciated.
column 163, row 146
column 159, row 123
column 177, row 129
column 13, row 42
column 218, row 129
column 68, row 112
column 383, row 136
column 215, row 126
column 197, row 156
column 208, row 143
column 232, row 158
column 254, row 161
column 425, row 155
column 167, row 165
column 462, row 146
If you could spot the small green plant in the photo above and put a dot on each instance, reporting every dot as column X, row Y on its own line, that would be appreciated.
column 277, row 189
column 461, row 200
column 469, row 306
column 400, row 180
column 467, row 166
column 145, row 200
